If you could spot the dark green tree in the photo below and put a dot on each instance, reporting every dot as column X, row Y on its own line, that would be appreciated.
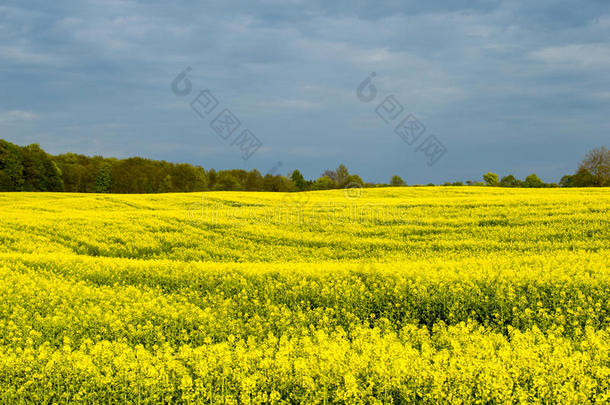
column 254, row 181
column 353, row 180
column 11, row 167
column 212, row 177
column 299, row 181
column 186, row 178
column 277, row 183
column 226, row 181
column 33, row 169
column 342, row 175
column 103, row 180
column 491, row 179
column 397, row 181
column 53, row 174
column 39, row 171
column 533, row 181
column 324, row 183
column 582, row 178
column 510, row 181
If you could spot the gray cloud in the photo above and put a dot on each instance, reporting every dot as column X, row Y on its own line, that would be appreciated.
column 487, row 78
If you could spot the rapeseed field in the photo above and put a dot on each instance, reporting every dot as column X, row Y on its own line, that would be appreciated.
column 390, row 295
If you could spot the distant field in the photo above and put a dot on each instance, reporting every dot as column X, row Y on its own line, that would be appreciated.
column 397, row 295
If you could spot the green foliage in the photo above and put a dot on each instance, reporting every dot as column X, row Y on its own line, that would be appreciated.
column 39, row 171
column 79, row 172
column 582, row 178
column 342, row 175
column 324, row 183
column 227, row 182
column 299, row 181
column 277, row 183
column 593, row 170
column 353, row 180
column 533, row 181
column 254, row 181
column 491, row 179
column 29, row 168
column 510, row 181
column 397, row 181
column 186, row 178
column 55, row 181
column 597, row 164
column 212, row 177
column 11, row 167
column 103, row 180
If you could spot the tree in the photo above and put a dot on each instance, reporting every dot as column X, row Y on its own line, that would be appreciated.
column 40, row 173
column 510, row 181
column 397, row 181
column 212, row 177
column 33, row 170
column 254, row 181
column 72, row 171
column 227, row 182
column 53, row 174
column 566, row 181
column 582, row 178
column 597, row 163
column 342, row 175
column 331, row 174
column 533, row 181
column 491, row 179
column 103, row 179
column 183, row 177
column 131, row 176
column 79, row 172
column 324, row 183
column 353, row 180
column 11, row 167
column 277, row 183
column 166, row 185
column 299, row 181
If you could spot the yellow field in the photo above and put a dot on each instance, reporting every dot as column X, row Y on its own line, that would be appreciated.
column 398, row 295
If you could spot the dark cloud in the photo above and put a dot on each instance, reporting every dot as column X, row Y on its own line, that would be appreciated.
column 507, row 86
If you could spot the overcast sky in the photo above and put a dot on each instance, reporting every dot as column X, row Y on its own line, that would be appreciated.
column 509, row 87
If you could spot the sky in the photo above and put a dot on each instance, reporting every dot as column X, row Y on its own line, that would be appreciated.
column 456, row 88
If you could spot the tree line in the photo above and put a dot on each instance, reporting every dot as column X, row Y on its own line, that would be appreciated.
column 29, row 168
column 593, row 171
